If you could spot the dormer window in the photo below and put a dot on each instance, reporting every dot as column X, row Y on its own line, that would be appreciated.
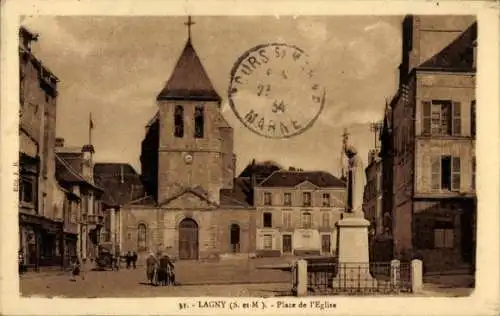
column 179, row 121
column 198, row 121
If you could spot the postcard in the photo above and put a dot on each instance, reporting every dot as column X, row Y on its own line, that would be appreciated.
column 264, row 157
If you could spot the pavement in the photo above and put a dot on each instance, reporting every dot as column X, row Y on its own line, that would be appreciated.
column 231, row 278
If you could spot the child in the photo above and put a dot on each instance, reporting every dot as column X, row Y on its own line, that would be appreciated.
column 86, row 267
column 75, row 269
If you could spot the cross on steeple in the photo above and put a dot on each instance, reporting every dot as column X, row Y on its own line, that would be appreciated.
column 188, row 24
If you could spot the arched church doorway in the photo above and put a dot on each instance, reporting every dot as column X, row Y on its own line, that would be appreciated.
column 188, row 239
column 235, row 238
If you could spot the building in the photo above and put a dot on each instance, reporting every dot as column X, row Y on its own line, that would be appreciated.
column 40, row 224
column 195, row 207
column 122, row 185
column 297, row 212
column 75, row 174
column 432, row 143
column 372, row 197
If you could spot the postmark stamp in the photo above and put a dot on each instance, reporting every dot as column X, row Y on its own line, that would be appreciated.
column 274, row 92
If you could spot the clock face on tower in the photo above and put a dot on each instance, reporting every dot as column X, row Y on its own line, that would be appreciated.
column 188, row 158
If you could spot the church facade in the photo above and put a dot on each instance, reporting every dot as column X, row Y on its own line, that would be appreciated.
column 194, row 207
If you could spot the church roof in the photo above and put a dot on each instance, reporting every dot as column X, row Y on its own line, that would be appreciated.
column 189, row 81
column 293, row 178
column 66, row 173
column 120, row 181
column 241, row 195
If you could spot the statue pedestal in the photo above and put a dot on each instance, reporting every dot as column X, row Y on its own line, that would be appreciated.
column 353, row 254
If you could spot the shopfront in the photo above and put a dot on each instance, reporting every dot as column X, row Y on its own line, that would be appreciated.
column 40, row 241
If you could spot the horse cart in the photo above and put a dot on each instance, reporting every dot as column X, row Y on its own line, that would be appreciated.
column 105, row 257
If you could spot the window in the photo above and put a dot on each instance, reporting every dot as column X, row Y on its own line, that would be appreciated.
column 473, row 184
column 306, row 220
column 445, row 173
column 27, row 189
column 267, row 242
column 441, row 117
column 306, row 198
column 74, row 211
column 141, row 237
column 443, row 235
column 287, row 219
column 198, row 122
column 287, row 200
column 473, row 118
column 326, row 199
column 325, row 219
column 179, row 121
column 267, row 198
column 66, row 209
column 268, row 219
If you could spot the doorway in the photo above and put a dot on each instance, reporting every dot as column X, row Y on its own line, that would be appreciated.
column 235, row 238
column 287, row 244
column 326, row 245
column 188, row 239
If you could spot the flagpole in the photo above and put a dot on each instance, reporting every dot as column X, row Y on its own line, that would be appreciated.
column 90, row 128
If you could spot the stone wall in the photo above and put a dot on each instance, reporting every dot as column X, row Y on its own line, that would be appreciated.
column 163, row 233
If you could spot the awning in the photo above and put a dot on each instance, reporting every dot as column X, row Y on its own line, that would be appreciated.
column 44, row 223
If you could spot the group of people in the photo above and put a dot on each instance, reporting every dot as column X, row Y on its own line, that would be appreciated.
column 160, row 269
column 131, row 259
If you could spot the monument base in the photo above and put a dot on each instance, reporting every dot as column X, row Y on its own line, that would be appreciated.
column 353, row 276
column 353, row 269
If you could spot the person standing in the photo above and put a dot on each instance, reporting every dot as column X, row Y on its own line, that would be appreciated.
column 134, row 259
column 75, row 269
column 86, row 267
column 115, row 262
column 151, row 268
column 129, row 259
column 20, row 257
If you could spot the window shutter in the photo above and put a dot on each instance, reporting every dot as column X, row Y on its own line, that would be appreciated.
column 455, row 173
column 457, row 121
column 436, row 172
column 426, row 117
column 449, row 238
column 473, row 184
column 473, row 118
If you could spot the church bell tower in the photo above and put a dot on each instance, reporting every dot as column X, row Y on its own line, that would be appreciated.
column 189, row 154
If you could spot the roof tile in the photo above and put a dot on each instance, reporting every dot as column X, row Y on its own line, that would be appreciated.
column 293, row 178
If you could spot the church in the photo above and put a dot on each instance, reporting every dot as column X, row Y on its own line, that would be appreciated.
column 193, row 206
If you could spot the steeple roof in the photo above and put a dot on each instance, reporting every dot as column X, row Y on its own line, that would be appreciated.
column 189, row 81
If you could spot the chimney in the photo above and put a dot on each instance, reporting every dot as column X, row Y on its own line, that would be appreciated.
column 122, row 180
column 88, row 164
column 59, row 142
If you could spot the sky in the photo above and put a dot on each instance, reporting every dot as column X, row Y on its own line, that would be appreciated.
column 114, row 67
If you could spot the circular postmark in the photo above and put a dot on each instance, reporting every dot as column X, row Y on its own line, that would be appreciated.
column 273, row 91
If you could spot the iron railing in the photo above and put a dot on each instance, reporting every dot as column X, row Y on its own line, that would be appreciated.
column 357, row 279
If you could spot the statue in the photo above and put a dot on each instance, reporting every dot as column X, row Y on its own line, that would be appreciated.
column 352, row 240
column 356, row 180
